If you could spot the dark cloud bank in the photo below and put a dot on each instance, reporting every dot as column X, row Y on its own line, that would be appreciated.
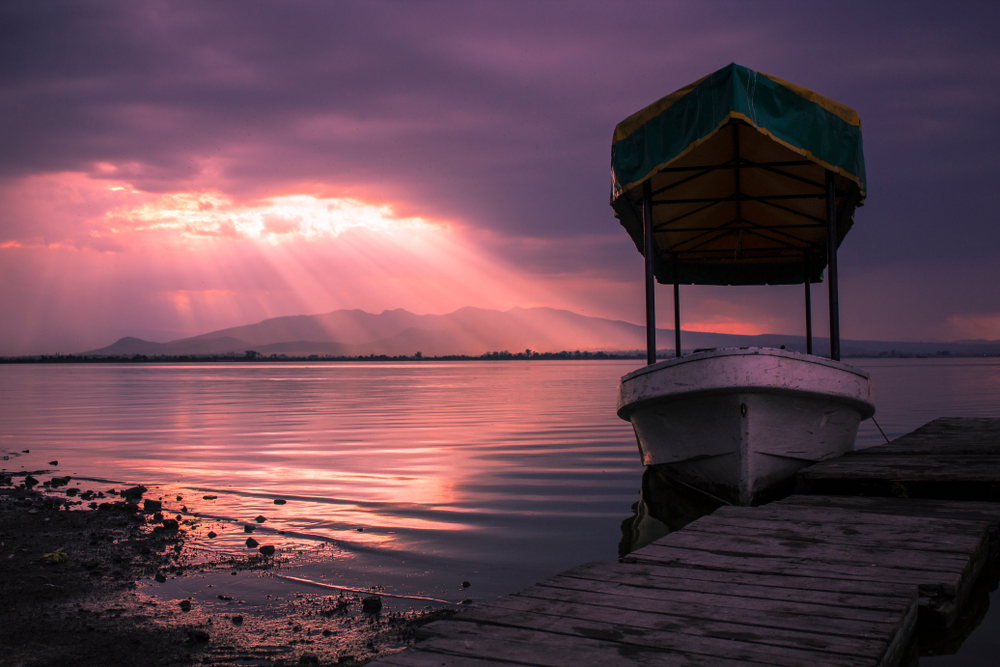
column 499, row 115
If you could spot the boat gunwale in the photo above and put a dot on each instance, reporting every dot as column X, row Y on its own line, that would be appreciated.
column 745, row 352
column 865, row 408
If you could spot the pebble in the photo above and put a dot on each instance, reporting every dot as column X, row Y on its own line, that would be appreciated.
column 371, row 604
column 30, row 481
column 185, row 605
column 209, row 497
column 248, row 528
column 160, row 577
column 212, row 533
column 135, row 492
column 237, row 620
column 53, row 463
column 251, row 543
column 260, row 519
column 267, row 550
column 170, row 524
column 465, row 584
column 198, row 636
column 151, row 505
column 279, row 501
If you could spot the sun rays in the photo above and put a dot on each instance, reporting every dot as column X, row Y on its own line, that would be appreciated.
column 197, row 261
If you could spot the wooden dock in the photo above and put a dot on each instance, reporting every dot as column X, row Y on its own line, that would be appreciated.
column 953, row 458
column 810, row 580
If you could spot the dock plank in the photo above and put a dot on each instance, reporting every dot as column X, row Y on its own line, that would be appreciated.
column 696, row 575
column 587, row 589
column 552, row 649
column 423, row 658
column 948, row 458
column 877, row 536
column 941, row 516
column 626, row 620
column 960, row 510
column 736, row 562
column 776, row 588
column 816, row 552
column 952, row 435
column 789, row 616
column 628, row 630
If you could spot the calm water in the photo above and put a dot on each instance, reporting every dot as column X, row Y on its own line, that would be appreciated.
column 499, row 474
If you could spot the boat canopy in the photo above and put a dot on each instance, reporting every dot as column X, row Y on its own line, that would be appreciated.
column 737, row 166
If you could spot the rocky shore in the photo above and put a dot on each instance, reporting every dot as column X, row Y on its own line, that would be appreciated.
column 76, row 570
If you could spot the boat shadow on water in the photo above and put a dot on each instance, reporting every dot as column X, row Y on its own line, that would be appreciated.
column 664, row 506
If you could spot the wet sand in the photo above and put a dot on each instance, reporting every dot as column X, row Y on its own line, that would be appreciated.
column 77, row 572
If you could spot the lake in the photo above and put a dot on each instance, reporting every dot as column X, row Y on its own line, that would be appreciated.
column 412, row 477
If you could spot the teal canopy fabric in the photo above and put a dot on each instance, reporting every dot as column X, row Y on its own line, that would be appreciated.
column 737, row 164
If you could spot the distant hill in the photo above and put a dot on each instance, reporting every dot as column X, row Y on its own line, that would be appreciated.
column 476, row 331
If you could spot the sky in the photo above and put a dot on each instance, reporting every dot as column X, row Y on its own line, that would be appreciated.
column 173, row 168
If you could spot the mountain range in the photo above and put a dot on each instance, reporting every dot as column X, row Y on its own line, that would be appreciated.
column 476, row 331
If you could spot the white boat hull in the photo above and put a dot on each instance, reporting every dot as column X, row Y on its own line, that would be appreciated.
column 739, row 423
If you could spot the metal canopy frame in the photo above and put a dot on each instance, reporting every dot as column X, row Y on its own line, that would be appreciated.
column 784, row 245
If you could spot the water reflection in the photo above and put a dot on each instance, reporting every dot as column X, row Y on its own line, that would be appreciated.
column 664, row 506
column 501, row 474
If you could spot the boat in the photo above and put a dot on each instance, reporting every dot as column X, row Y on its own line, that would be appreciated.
column 739, row 423
column 741, row 178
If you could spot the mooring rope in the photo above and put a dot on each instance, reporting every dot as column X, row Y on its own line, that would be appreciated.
column 880, row 429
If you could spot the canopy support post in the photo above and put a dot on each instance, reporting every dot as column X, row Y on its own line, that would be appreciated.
column 809, row 309
column 831, row 249
column 647, row 226
column 677, row 309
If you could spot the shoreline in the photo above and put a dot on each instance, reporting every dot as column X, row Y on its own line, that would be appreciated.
column 78, row 586
column 504, row 356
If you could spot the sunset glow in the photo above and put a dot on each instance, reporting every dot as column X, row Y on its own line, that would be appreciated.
column 197, row 261
column 275, row 219
column 200, row 179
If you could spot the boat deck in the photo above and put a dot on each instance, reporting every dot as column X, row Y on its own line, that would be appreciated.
column 812, row 579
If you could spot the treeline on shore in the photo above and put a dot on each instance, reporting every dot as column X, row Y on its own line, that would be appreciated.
column 254, row 356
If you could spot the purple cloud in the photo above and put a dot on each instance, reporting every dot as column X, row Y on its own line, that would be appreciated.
column 497, row 116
